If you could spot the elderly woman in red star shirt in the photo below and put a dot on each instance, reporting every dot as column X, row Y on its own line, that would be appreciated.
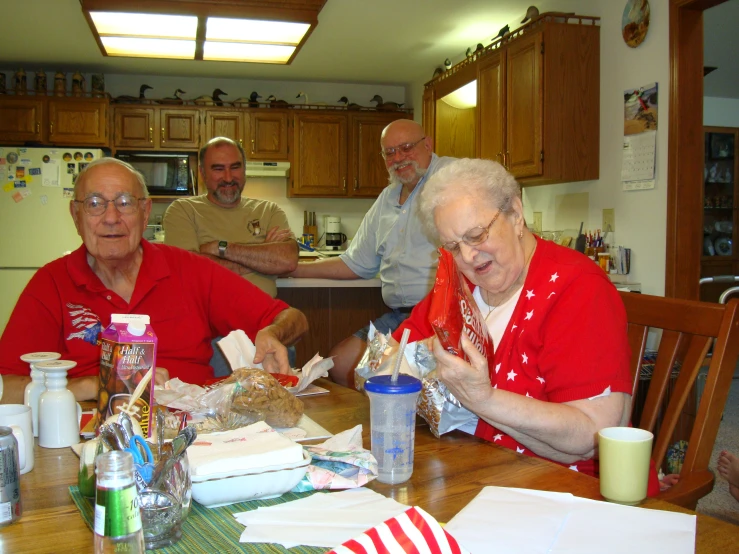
column 560, row 368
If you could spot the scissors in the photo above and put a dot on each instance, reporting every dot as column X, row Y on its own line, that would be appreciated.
column 144, row 465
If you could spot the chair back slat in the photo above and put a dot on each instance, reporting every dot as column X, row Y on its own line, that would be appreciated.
column 679, row 395
column 638, row 344
column 688, row 330
column 666, row 357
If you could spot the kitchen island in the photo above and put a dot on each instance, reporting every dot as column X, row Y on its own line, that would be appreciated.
column 335, row 309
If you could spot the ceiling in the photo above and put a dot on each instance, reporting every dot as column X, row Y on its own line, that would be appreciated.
column 360, row 41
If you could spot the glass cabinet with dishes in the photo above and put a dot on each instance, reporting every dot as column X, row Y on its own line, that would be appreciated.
column 720, row 207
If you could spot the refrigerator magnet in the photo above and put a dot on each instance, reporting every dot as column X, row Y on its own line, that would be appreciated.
column 68, row 193
column 34, row 171
column 89, row 157
column 78, row 156
column 67, row 157
column 12, row 157
column 19, row 184
column 46, row 159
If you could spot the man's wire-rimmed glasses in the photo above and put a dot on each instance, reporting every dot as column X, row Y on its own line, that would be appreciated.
column 96, row 205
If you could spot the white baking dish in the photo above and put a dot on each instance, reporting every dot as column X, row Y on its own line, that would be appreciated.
column 220, row 489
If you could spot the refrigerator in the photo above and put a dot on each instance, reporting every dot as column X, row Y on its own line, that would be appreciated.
column 35, row 225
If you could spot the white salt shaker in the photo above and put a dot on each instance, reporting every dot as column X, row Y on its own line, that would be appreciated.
column 37, row 385
column 58, row 411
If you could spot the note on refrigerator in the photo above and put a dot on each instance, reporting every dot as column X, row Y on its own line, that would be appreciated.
column 638, row 156
column 50, row 173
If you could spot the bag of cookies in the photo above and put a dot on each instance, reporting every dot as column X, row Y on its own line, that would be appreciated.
column 258, row 395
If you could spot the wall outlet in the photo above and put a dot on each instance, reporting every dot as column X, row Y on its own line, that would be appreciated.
column 537, row 222
column 609, row 220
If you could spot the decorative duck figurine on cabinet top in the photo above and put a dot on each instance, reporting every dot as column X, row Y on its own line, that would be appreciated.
column 176, row 99
column 385, row 106
column 214, row 100
column 275, row 103
column 344, row 101
column 141, row 99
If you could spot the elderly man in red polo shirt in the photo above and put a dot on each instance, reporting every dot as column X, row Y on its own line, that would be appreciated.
column 189, row 299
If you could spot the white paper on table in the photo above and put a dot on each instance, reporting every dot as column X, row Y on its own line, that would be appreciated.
column 616, row 528
column 305, row 429
column 511, row 520
column 322, row 520
column 503, row 520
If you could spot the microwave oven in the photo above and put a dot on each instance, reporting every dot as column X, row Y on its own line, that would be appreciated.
column 165, row 173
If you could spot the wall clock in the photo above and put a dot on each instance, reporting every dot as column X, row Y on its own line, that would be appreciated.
column 635, row 22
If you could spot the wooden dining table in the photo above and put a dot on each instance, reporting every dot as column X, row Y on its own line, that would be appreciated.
column 448, row 473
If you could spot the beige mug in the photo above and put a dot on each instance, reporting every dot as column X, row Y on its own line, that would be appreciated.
column 18, row 418
column 624, row 454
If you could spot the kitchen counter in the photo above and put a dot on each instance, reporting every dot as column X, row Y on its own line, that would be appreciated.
column 293, row 283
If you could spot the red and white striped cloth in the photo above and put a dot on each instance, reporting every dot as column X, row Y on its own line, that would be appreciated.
column 412, row 532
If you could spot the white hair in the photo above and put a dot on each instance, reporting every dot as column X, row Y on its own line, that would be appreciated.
column 485, row 180
column 106, row 161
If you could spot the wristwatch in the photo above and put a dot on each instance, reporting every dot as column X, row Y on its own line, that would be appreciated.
column 222, row 248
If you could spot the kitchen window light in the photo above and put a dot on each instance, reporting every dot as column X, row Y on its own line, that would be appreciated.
column 254, row 31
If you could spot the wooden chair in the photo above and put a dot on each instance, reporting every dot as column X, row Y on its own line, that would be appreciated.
column 688, row 330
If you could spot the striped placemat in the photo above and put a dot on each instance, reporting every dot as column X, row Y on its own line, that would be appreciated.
column 208, row 530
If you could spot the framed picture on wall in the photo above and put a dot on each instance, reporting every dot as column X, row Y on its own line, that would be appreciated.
column 722, row 145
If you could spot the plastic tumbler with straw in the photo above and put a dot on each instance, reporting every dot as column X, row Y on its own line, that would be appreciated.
column 393, row 420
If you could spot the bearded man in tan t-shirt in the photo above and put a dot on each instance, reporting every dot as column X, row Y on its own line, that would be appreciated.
column 248, row 236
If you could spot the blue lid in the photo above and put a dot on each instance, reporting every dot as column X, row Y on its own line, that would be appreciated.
column 383, row 384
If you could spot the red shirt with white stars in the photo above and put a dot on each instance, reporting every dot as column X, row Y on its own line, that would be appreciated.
column 565, row 341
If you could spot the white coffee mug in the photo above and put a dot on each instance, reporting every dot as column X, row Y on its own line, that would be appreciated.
column 18, row 418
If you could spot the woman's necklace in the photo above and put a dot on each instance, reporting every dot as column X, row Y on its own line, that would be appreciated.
column 514, row 287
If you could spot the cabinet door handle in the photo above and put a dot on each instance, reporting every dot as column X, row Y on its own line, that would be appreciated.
column 51, row 127
column 38, row 127
column 344, row 184
column 241, row 143
column 508, row 158
column 252, row 146
column 356, row 184
column 151, row 134
column 162, row 134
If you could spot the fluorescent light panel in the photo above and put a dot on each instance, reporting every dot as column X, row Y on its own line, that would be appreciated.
column 145, row 25
column 149, row 47
column 464, row 97
column 255, row 31
column 240, row 52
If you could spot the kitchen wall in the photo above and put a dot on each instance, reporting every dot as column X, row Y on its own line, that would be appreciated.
column 720, row 112
column 640, row 215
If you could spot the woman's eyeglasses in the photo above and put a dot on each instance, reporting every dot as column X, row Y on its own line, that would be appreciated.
column 403, row 148
column 473, row 237
column 96, row 205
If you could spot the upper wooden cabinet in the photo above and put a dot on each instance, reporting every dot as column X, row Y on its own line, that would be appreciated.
column 52, row 121
column 538, row 101
column 338, row 154
column 21, row 119
column 160, row 128
column 261, row 132
column 78, row 121
column 319, row 165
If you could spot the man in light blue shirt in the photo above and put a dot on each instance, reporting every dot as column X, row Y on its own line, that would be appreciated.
column 390, row 241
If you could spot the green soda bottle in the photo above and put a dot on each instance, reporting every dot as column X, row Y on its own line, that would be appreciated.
column 117, row 517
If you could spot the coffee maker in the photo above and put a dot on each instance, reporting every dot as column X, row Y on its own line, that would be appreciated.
column 334, row 237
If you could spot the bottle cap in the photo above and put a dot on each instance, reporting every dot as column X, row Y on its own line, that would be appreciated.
column 137, row 328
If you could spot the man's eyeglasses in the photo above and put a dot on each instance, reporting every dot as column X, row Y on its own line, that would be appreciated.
column 96, row 205
column 473, row 237
column 404, row 148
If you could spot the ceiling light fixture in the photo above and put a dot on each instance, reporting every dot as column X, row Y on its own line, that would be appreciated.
column 257, row 31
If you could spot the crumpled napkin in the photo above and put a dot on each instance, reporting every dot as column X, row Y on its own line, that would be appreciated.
column 239, row 350
column 339, row 463
column 322, row 520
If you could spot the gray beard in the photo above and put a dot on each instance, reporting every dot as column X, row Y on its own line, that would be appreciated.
column 226, row 197
column 418, row 175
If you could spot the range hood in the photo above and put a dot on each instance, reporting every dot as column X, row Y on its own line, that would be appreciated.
column 267, row 169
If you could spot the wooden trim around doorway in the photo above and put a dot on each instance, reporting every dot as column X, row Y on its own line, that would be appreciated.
column 685, row 149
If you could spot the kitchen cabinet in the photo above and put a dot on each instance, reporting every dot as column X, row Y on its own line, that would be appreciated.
column 538, row 91
column 720, row 208
column 156, row 128
column 261, row 132
column 78, row 122
column 266, row 135
column 21, row 119
column 52, row 121
column 338, row 154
